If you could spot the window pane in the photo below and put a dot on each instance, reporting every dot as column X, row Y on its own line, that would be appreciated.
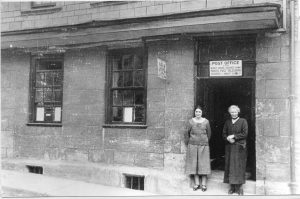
column 128, row 80
column 42, row 65
column 48, row 88
column 39, row 104
column 39, row 114
column 139, row 97
column 126, row 74
column 118, row 79
column 49, row 79
column 57, row 95
column 127, row 117
column 55, row 65
column 138, row 62
column 48, row 95
column 142, row 183
column 128, row 181
column 48, row 65
column 139, row 114
column 127, row 61
column 49, row 114
column 40, row 79
column 39, row 95
column 57, row 78
column 135, row 184
column 117, row 114
column 117, row 98
column 128, row 97
column 57, row 114
column 139, row 78
column 117, row 64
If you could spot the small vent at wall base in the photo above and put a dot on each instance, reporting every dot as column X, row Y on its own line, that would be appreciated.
column 134, row 182
column 35, row 169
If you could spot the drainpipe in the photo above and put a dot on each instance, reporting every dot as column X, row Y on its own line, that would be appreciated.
column 292, row 100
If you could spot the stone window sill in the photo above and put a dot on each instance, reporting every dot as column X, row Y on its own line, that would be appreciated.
column 45, row 124
column 123, row 126
column 41, row 11
column 109, row 3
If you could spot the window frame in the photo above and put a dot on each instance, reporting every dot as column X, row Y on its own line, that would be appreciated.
column 109, row 89
column 108, row 3
column 32, row 112
column 41, row 4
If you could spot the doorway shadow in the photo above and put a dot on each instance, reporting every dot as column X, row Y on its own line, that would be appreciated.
column 215, row 95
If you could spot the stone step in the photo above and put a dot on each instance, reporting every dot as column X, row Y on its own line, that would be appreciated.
column 215, row 186
column 219, row 188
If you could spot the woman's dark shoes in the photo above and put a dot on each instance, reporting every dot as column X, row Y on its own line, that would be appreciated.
column 204, row 188
column 240, row 192
column 231, row 191
column 196, row 187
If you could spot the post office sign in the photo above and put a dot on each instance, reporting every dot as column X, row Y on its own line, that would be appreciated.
column 225, row 68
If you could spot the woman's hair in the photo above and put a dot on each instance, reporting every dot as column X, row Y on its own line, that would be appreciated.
column 234, row 107
column 198, row 107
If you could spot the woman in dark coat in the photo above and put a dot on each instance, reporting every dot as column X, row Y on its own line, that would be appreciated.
column 235, row 134
column 197, row 157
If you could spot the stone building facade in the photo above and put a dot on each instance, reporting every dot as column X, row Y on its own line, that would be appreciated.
column 87, row 131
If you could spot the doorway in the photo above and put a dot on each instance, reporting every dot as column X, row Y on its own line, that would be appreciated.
column 215, row 95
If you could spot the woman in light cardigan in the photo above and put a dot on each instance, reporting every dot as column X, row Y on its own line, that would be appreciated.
column 198, row 157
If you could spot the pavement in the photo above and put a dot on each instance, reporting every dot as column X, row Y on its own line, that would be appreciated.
column 18, row 184
column 28, row 185
column 21, row 184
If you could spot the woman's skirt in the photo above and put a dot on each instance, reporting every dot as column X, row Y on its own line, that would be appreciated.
column 197, row 160
column 235, row 164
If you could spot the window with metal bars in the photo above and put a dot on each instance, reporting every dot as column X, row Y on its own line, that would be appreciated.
column 127, row 92
column 134, row 182
column 46, row 89
column 35, row 169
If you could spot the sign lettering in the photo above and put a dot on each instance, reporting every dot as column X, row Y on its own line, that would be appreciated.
column 225, row 68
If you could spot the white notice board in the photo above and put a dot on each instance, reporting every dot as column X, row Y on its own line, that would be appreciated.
column 225, row 68
column 127, row 111
column 161, row 69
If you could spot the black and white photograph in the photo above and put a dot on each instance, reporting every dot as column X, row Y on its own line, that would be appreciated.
column 150, row 98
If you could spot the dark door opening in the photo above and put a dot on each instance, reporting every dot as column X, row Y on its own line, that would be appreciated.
column 215, row 95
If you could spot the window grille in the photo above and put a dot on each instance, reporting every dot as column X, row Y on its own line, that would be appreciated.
column 127, row 92
column 47, row 89
column 134, row 182
column 35, row 169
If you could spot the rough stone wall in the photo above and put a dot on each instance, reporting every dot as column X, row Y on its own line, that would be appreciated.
column 81, row 137
column 15, row 15
column 272, row 113
column 14, row 97
column 83, row 103
column 178, row 90
column 169, row 105
column 83, row 109
column 169, row 102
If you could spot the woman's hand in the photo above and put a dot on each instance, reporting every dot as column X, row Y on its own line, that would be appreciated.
column 230, row 138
